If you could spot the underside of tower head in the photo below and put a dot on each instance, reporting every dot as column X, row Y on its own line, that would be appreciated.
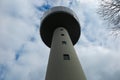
column 59, row 17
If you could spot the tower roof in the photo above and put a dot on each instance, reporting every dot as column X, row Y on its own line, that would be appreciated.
column 59, row 17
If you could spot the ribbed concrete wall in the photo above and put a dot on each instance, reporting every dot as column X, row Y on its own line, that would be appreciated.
column 58, row 67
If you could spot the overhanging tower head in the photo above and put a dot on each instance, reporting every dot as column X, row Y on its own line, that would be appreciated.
column 59, row 17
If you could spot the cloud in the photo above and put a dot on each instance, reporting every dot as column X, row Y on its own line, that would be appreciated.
column 21, row 50
column 98, row 61
column 97, row 51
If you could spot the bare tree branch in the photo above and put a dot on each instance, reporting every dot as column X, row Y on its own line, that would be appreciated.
column 109, row 10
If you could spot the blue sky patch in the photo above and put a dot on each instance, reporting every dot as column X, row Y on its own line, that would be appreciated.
column 44, row 7
column 19, row 52
column 32, row 39
column 3, row 70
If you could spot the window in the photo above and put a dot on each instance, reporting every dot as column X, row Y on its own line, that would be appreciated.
column 62, row 34
column 66, row 57
column 61, row 29
column 64, row 42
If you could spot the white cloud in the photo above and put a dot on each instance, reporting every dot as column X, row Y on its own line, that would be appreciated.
column 97, row 60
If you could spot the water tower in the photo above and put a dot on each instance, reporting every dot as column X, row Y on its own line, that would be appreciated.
column 60, row 31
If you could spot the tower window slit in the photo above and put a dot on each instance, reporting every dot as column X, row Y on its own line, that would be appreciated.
column 61, row 29
column 64, row 42
column 66, row 56
column 62, row 34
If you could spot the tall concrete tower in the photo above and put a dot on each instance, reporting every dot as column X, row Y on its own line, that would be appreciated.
column 60, row 30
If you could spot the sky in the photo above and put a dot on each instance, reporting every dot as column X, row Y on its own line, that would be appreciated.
column 23, row 55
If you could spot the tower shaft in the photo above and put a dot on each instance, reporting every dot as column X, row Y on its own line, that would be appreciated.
column 63, row 62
